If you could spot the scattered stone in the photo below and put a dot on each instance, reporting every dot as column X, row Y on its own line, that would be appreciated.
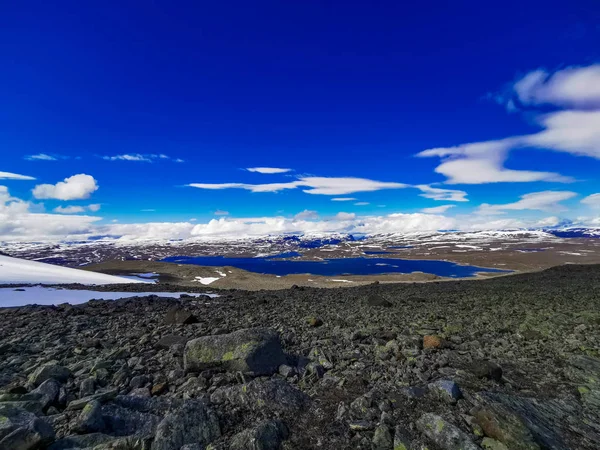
column 287, row 371
column 401, row 439
column 360, row 425
column 256, row 350
column 431, row 341
column 87, row 387
column 314, row 322
column 444, row 434
column 171, row 340
column 48, row 392
column 159, row 389
column 100, row 396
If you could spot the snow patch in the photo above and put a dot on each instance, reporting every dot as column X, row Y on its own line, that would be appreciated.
column 206, row 280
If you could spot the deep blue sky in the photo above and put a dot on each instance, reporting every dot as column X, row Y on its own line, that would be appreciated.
column 326, row 88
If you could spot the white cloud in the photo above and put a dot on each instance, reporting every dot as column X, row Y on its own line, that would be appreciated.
column 437, row 209
column 77, row 209
column 314, row 185
column 268, row 170
column 143, row 157
column 361, row 204
column 77, row 187
column 40, row 157
column 572, row 87
column 575, row 131
column 14, row 176
column 307, row 215
column 592, row 200
column 538, row 201
column 19, row 223
column 345, row 216
column 220, row 212
column 447, row 195
column 342, row 199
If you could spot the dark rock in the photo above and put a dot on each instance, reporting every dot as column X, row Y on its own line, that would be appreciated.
column 274, row 395
column 180, row 316
column 256, row 350
column 100, row 396
column 193, row 423
column 447, row 390
column 500, row 423
column 267, row 435
column 87, row 387
column 90, row 419
column 486, row 369
column 383, row 439
column 378, row 300
column 37, row 434
column 48, row 392
column 47, row 371
column 170, row 340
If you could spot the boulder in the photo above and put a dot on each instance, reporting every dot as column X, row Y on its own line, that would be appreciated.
column 193, row 423
column 179, row 316
column 444, row 434
column 267, row 435
column 446, row 390
column 90, row 420
column 486, row 369
column 501, row 424
column 37, row 434
column 48, row 392
column 170, row 340
column 378, row 300
column 382, row 438
column 256, row 350
column 47, row 371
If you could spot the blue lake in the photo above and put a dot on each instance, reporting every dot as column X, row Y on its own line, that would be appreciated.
column 335, row 267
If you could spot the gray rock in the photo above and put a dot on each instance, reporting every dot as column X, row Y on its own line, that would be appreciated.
column 85, row 441
column 37, row 434
column 446, row 390
column 12, row 418
column 87, row 387
column 193, row 423
column 275, row 395
column 382, row 439
column 139, row 381
column 255, row 350
column 48, row 392
column 170, row 340
column 90, row 420
column 444, row 434
column 378, row 300
column 401, row 439
column 100, row 396
column 265, row 436
column 47, row 371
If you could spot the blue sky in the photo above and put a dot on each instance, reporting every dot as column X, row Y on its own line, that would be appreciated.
column 147, row 98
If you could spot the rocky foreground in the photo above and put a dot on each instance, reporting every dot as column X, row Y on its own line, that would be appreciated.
column 506, row 363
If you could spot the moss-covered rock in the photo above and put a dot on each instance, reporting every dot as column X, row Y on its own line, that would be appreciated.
column 255, row 350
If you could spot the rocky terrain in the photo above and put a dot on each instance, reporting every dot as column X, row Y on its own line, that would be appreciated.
column 505, row 363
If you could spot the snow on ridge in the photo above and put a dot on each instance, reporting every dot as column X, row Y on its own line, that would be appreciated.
column 22, row 271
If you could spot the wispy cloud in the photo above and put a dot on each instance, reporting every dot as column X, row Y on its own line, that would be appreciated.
column 220, row 212
column 447, row 195
column 537, row 201
column 592, row 200
column 342, row 199
column 41, row 157
column 76, row 209
column 14, row 176
column 268, row 170
column 361, row 204
column 312, row 185
column 77, row 187
column 307, row 215
column 575, row 130
column 437, row 209
column 142, row 157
